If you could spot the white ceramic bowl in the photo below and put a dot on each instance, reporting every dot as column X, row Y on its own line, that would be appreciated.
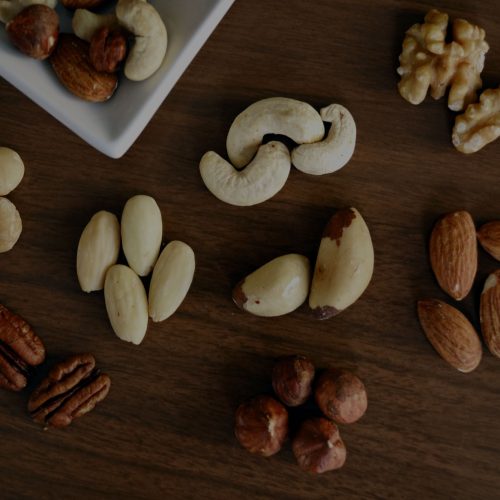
column 113, row 126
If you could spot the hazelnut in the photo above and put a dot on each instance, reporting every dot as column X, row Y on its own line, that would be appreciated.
column 317, row 446
column 261, row 425
column 341, row 396
column 292, row 378
column 107, row 49
column 34, row 31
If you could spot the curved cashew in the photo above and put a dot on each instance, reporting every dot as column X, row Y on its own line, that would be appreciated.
column 333, row 152
column 150, row 32
column 10, row 8
column 276, row 115
column 86, row 23
column 258, row 182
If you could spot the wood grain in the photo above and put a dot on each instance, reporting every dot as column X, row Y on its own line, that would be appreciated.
column 165, row 430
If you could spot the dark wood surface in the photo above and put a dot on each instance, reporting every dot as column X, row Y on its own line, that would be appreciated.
column 166, row 429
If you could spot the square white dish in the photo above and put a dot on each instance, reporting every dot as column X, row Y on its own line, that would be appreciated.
column 113, row 126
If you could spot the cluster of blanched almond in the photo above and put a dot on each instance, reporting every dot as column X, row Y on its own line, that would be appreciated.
column 428, row 62
column 141, row 233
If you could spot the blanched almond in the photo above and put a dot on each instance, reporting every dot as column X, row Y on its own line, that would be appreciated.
column 11, row 225
column 451, row 334
column 142, row 231
column 11, row 170
column 490, row 313
column 172, row 276
column 98, row 250
column 126, row 303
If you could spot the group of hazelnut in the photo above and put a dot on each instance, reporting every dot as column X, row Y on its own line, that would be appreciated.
column 262, row 424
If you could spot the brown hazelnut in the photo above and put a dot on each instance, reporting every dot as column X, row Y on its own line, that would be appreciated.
column 292, row 378
column 341, row 396
column 34, row 31
column 261, row 425
column 107, row 50
column 317, row 446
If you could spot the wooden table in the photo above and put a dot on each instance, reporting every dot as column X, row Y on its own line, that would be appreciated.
column 166, row 429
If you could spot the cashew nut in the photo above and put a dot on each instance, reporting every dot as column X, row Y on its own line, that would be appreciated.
column 86, row 23
column 333, row 152
column 276, row 115
column 150, row 46
column 258, row 182
column 10, row 8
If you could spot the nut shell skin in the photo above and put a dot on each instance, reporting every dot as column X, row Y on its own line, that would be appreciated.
column 34, row 31
column 317, row 446
column 292, row 379
column 261, row 425
column 341, row 396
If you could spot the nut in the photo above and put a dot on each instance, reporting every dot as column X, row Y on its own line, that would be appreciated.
column 20, row 350
column 333, row 152
column 142, row 231
column 341, row 396
column 259, row 181
column 82, row 4
column 490, row 312
column 292, row 378
column 107, row 50
column 489, row 238
column 276, row 115
column 11, row 170
column 428, row 61
column 479, row 125
column 11, row 225
column 261, row 425
column 86, row 23
column 150, row 44
column 453, row 253
column 344, row 265
column 11, row 8
column 451, row 334
column 318, row 447
column 98, row 250
column 71, row 389
column 126, row 303
column 71, row 63
column 172, row 277
column 278, row 287
column 34, row 31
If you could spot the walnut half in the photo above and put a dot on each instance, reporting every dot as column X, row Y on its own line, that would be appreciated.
column 428, row 62
column 479, row 125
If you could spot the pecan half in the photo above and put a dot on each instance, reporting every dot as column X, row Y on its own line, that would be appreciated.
column 20, row 350
column 71, row 389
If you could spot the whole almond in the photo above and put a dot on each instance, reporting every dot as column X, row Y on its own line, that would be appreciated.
column 98, row 250
column 126, row 303
column 71, row 63
column 142, row 231
column 172, row 276
column 490, row 313
column 489, row 238
column 451, row 334
column 453, row 253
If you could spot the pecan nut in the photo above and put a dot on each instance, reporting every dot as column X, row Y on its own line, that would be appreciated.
column 20, row 350
column 107, row 49
column 71, row 389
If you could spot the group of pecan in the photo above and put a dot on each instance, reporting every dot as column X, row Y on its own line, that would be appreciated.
column 72, row 387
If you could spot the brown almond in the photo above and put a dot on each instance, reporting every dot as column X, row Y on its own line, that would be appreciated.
column 489, row 238
column 490, row 313
column 71, row 62
column 453, row 253
column 451, row 334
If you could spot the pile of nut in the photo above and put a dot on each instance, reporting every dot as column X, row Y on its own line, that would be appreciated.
column 71, row 389
column 261, row 170
column 141, row 234
column 343, row 270
column 262, row 424
column 454, row 258
column 428, row 61
column 87, row 61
